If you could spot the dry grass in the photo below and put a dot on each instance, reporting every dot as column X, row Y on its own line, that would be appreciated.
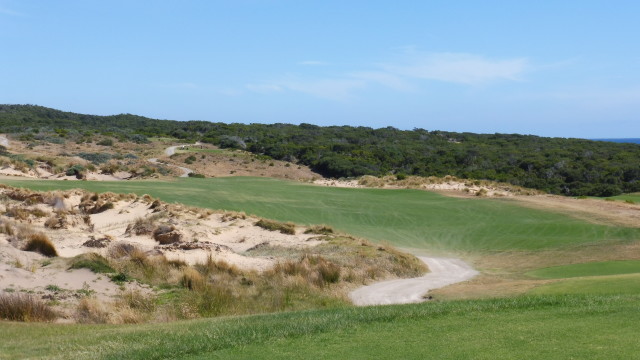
column 192, row 279
column 40, row 243
column 24, row 307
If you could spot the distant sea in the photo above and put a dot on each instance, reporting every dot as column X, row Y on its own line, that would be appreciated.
column 631, row 140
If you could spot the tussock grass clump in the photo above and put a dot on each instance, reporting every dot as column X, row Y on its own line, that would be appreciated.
column 320, row 230
column 40, row 243
column 271, row 225
column 24, row 307
column 93, row 262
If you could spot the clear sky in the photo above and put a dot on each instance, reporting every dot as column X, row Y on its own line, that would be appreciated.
column 567, row 68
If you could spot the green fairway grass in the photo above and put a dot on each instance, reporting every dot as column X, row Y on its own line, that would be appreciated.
column 635, row 197
column 588, row 269
column 614, row 284
column 539, row 327
column 406, row 218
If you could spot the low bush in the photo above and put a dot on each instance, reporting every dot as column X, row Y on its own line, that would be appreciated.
column 24, row 307
column 40, row 243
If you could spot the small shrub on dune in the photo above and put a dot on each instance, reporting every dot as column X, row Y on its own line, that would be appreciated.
column 40, row 243
column 24, row 307
column 285, row 228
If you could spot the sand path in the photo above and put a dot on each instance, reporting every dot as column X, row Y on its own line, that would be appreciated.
column 444, row 271
column 170, row 151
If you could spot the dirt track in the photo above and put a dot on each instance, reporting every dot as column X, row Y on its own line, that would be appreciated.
column 444, row 271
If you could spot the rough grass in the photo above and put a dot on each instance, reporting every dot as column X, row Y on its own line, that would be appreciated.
column 539, row 327
column 588, row 269
column 614, row 284
column 24, row 307
column 406, row 218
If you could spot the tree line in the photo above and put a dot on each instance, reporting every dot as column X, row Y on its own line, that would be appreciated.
column 572, row 167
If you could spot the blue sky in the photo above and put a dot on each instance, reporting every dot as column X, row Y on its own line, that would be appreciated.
column 552, row 68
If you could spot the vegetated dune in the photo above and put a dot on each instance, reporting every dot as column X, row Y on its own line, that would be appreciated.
column 82, row 252
column 122, row 160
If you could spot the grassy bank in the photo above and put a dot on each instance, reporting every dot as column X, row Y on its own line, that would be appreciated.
column 540, row 327
column 406, row 218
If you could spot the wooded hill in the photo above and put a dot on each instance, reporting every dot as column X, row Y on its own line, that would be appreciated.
column 556, row 165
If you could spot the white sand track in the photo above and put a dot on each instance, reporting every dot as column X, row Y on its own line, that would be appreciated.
column 170, row 151
column 444, row 271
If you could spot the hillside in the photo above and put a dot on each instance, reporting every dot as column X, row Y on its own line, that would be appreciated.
column 556, row 165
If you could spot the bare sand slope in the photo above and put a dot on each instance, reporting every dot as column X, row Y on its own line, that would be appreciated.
column 4, row 141
column 444, row 271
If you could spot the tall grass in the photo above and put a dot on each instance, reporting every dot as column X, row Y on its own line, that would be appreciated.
column 24, row 307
